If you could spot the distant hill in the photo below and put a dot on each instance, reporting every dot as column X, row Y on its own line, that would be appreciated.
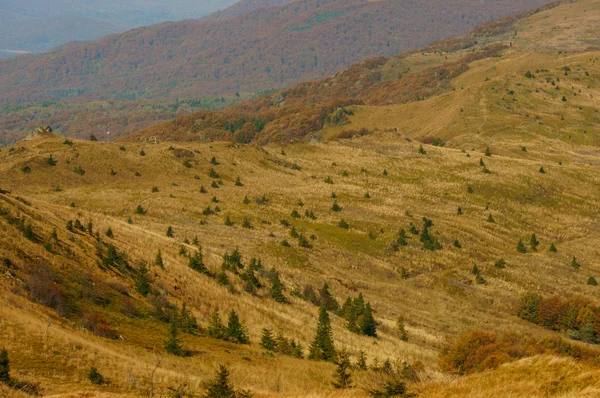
column 245, row 6
column 264, row 49
column 37, row 26
column 308, row 110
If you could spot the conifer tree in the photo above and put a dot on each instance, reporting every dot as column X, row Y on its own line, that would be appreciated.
column 196, row 262
column 188, row 321
column 592, row 281
column 296, row 349
column 170, row 232
column 327, row 300
column 361, row 361
column 215, row 328
column 235, row 331
column 352, row 318
column 4, row 366
column 402, row 238
column 342, row 375
column 402, row 333
column 335, row 207
column 277, row 288
column 158, row 261
column 322, row 348
column 368, row 326
column 534, row 242
column 142, row 281
column 173, row 345
column 220, row 387
column 552, row 248
column 267, row 341
column 521, row 247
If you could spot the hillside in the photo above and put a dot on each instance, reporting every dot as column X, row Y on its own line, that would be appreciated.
column 263, row 49
column 470, row 212
column 431, row 80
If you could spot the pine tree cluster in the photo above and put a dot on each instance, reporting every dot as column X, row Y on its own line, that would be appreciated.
column 359, row 316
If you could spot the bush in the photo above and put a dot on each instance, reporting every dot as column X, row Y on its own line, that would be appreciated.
column 79, row 170
column 343, row 224
column 335, row 207
column 51, row 161
column 95, row 377
column 592, row 281
column 154, row 189
column 26, row 169
column 140, row 210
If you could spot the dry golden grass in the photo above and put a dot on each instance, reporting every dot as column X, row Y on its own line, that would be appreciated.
column 438, row 301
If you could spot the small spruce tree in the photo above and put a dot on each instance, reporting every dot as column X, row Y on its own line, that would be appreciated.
column 170, row 233
column 142, row 280
column 534, row 242
column 277, row 288
column 361, row 361
column 342, row 375
column 215, row 328
column 322, row 348
column 235, row 331
column 553, row 248
column 158, row 260
column 521, row 247
column 368, row 325
column 267, row 341
column 95, row 377
column 592, row 281
column 172, row 344
column 402, row 333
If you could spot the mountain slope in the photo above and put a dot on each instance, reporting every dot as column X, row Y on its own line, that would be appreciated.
column 498, row 204
column 187, row 59
column 261, row 50
column 303, row 111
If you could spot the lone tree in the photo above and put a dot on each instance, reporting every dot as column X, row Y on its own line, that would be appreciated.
column 170, row 233
column 322, row 348
column 342, row 375
column 402, row 333
column 173, row 345
column 95, row 377
column 4, row 366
